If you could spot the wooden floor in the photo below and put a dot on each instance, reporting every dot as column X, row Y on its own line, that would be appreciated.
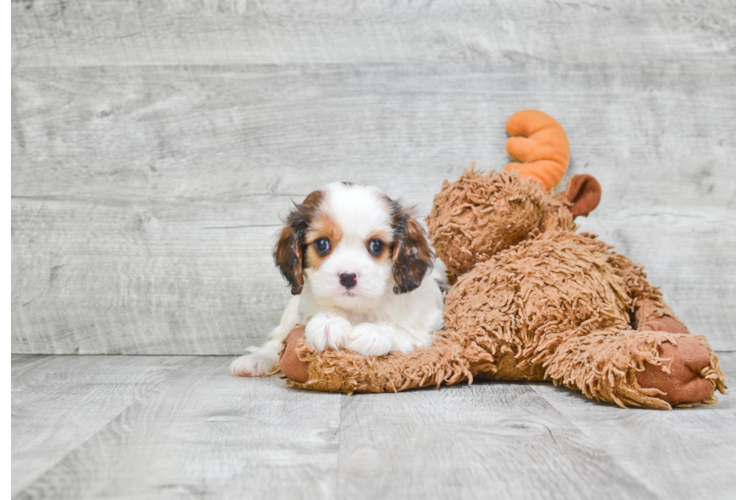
column 176, row 427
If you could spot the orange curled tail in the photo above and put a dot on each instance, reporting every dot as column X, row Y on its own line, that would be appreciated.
column 540, row 144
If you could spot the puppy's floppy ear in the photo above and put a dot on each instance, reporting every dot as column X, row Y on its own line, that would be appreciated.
column 289, row 255
column 289, row 251
column 412, row 257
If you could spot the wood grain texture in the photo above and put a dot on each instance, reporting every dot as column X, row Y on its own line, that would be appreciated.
column 59, row 403
column 483, row 441
column 199, row 432
column 156, row 147
column 250, row 137
column 171, row 285
column 204, row 433
column 688, row 464
column 175, row 288
column 180, row 32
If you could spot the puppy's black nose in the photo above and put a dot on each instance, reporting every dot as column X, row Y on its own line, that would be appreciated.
column 348, row 280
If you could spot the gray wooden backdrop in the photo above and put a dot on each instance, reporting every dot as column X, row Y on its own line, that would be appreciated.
column 155, row 145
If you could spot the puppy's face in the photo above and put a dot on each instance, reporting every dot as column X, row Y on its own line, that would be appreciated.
column 351, row 245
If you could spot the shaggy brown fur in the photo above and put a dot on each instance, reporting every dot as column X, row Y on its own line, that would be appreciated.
column 533, row 300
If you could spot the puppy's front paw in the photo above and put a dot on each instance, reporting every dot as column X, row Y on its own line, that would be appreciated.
column 253, row 365
column 327, row 330
column 368, row 339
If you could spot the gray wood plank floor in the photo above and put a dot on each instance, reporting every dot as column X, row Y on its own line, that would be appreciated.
column 182, row 427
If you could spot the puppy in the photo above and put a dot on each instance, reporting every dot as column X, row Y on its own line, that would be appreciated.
column 362, row 276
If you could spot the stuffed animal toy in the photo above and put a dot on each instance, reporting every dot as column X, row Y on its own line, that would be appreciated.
column 532, row 298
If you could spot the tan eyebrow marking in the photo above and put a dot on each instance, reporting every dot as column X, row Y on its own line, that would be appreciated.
column 386, row 237
column 321, row 226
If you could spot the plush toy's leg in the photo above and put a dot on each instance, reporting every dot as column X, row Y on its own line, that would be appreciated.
column 507, row 366
column 289, row 363
column 638, row 368
column 646, row 300
column 445, row 362
column 680, row 374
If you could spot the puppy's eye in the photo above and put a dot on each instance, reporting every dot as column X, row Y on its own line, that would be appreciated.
column 375, row 247
column 322, row 245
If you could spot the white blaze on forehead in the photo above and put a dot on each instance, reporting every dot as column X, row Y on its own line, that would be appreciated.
column 359, row 210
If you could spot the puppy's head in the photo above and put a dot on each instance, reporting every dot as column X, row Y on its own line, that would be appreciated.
column 352, row 244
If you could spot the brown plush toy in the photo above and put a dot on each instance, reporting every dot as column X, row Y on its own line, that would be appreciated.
column 532, row 298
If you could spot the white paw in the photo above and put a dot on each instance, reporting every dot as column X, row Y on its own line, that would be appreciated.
column 327, row 330
column 254, row 365
column 368, row 339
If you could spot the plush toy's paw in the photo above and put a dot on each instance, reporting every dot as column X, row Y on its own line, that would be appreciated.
column 257, row 364
column 290, row 364
column 368, row 339
column 663, row 324
column 327, row 330
column 684, row 383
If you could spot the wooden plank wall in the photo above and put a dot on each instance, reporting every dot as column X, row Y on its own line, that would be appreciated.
column 156, row 145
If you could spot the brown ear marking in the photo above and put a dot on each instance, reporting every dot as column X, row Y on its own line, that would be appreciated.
column 412, row 256
column 584, row 192
column 289, row 250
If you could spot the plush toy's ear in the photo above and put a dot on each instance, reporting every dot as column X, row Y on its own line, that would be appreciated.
column 412, row 256
column 584, row 192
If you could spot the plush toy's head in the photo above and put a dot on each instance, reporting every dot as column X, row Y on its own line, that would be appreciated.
column 481, row 214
